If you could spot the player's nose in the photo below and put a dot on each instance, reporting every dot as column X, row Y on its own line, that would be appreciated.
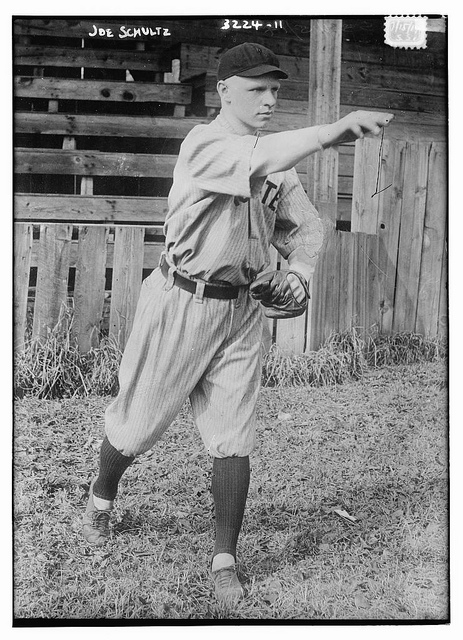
column 269, row 99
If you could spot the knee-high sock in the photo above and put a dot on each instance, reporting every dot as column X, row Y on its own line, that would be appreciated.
column 230, row 483
column 112, row 466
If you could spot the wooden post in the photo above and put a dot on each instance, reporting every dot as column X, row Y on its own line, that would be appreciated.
column 324, row 107
column 322, row 175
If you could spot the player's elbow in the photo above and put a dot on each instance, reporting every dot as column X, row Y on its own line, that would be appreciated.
column 259, row 165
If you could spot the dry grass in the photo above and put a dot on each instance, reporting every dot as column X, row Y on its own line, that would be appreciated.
column 375, row 447
column 347, row 356
column 54, row 367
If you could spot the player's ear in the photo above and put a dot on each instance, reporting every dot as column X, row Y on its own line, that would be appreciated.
column 223, row 90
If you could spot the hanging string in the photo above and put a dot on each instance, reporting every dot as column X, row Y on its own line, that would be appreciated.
column 378, row 171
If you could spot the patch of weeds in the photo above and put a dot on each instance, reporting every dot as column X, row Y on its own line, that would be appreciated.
column 53, row 367
column 347, row 356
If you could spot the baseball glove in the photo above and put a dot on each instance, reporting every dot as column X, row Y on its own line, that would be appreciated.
column 274, row 292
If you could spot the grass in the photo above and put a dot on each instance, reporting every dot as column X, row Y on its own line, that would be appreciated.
column 54, row 367
column 375, row 447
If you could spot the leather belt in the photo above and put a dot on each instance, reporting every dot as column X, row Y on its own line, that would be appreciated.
column 210, row 290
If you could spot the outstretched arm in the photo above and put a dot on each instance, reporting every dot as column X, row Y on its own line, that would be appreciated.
column 282, row 151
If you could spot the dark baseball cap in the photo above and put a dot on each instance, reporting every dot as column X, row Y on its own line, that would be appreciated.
column 248, row 60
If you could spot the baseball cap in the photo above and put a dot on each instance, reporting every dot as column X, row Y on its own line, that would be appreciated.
column 248, row 60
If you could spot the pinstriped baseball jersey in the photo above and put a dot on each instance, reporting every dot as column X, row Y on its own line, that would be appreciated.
column 219, row 228
column 221, row 222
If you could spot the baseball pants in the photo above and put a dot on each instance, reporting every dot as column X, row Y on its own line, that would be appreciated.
column 180, row 347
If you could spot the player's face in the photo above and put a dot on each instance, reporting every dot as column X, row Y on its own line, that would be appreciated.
column 251, row 101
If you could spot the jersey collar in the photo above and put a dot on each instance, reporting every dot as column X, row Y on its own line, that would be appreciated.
column 225, row 124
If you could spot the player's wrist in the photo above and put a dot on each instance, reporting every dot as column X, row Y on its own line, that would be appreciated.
column 325, row 136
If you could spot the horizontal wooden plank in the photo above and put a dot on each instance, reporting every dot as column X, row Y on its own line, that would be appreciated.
column 292, row 40
column 41, row 56
column 289, row 91
column 197, row 59
column 345, row 185
column 393, row 78
column 151, row 253
column 356, row 94
column 432, row 59
column 396, row 91
column 69, row 124
column 30, row 207
column 107, row 91
column 408, row 125
column 93, row 163
column 112, row 30
column 344, row 207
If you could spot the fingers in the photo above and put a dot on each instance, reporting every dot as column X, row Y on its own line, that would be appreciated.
column 373, row 122
column 296, row 288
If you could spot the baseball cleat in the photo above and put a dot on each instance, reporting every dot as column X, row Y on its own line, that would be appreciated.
column 228, row 589
column 95, row 522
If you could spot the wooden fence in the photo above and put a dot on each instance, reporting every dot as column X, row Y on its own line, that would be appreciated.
column 389, row 272
column 97, row 132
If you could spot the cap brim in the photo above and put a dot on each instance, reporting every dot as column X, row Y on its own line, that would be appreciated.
column 262, row 70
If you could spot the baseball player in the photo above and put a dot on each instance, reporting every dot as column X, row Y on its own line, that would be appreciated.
column 198, row 326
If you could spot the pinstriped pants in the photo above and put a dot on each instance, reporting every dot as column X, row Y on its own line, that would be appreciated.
column 180, row 348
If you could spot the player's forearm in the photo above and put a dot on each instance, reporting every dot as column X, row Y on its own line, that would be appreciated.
column 282, row 151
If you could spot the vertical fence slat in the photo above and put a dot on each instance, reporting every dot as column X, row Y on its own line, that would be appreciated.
column 443, row 298
column 373, row 277
column 323, row 296
column 89, row 288
column 22, row 262
column 435, row 223
column 365, row 205
column 360, row 271
column 389, row 227
column 411, row 236
column 127, row 278
column 52, row 276
column 346, row 281
column 331, row 295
